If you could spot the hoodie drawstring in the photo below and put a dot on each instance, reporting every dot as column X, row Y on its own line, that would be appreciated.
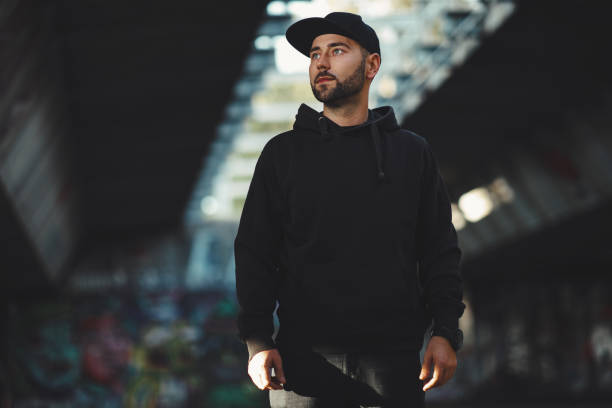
column 376, row 138
column 323, row 127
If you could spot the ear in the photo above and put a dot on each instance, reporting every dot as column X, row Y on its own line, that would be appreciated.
column 372, row 65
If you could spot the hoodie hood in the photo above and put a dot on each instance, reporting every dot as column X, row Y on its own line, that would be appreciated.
column 380, row 120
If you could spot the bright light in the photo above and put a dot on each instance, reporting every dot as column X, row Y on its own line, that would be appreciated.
column 498, row 14
column 479, row 202
column 457, row 218
column 304, row 9
column 209, row 205
column 388, row 35
column 379, row 8
column 466, row 5
column 288, row 60
column 264, row 42
column 276, row 8
column 476, row 204
column 387, row 88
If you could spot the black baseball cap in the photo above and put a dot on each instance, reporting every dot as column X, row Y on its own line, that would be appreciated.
column 301, row 33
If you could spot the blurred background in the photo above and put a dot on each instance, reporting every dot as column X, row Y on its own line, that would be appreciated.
column 129, row 132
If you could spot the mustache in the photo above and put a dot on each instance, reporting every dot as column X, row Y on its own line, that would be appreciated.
column 324, row 74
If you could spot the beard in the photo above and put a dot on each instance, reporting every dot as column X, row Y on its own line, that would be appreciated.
column 343, row 90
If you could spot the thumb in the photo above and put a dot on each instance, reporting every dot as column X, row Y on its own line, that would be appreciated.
column 278, row 369
column 425, row 368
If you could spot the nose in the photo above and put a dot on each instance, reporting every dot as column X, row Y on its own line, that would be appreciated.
column 322, row 62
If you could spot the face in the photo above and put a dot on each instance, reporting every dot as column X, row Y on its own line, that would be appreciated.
column 337, row 69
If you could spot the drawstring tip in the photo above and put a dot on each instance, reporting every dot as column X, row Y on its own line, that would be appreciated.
column 381, row 175
column 323, row 128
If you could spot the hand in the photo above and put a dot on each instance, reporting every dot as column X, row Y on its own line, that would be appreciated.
column 443, row 356
column 259, row 370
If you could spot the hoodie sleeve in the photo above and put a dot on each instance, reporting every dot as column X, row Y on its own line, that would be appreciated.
column 438, row 251
column 256, row 252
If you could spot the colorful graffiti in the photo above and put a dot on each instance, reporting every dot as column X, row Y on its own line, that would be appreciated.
column 523, row 343
column 162, row 349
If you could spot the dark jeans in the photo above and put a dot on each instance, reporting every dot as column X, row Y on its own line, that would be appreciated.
column 355, row 379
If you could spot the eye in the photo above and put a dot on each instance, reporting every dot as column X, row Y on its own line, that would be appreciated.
column 314, row 55
column 340, row 51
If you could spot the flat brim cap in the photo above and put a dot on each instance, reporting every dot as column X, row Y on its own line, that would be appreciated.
column 301, row 33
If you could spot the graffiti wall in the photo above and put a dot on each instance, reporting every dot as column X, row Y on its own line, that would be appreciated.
column 145, row 325
column 155, row 349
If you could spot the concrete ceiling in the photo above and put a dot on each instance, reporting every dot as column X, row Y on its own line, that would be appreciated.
column 147, row 83
column 524, row 90
column 547, row 61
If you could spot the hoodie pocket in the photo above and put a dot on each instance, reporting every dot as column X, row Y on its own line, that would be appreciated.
column 353, row 296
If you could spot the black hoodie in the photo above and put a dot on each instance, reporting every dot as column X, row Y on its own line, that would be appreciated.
column 349, row 229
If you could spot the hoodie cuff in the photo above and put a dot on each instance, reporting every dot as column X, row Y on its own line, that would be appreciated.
column 447, row 317
column 452, row 324
column 256, row 344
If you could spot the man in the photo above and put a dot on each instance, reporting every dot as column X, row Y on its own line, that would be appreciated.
column 347, row 224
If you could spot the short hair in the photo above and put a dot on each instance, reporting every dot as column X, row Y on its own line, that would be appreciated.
column 364, row 52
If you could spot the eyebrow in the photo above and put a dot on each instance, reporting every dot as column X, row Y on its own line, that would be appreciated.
column 334, row 44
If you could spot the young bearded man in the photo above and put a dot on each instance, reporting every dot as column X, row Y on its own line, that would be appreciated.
column 347, row 224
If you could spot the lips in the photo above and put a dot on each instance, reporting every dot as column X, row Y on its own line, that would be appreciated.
column 324, row 79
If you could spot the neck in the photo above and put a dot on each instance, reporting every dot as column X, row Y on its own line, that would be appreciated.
column 353, row 112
